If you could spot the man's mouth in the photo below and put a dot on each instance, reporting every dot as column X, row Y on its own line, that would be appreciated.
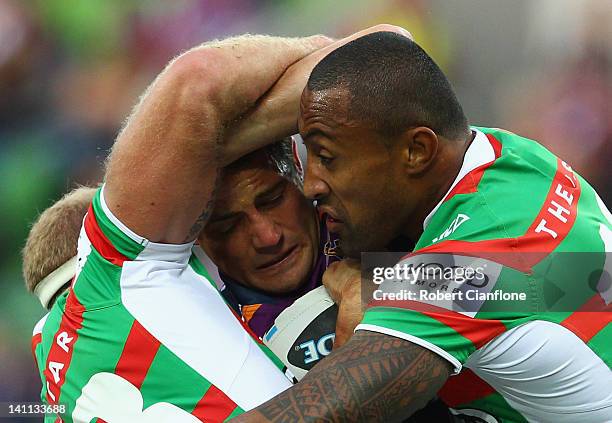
column 279, row 260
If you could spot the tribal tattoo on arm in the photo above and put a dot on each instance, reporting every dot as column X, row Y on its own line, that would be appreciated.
column 372, row 378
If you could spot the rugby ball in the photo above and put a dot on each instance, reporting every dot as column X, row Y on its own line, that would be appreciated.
column 304, row 332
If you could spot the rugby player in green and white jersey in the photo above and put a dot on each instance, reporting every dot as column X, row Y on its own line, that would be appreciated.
column 141, row 335
column 391, row 156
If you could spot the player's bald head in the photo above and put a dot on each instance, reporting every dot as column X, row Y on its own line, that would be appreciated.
column 392, row 85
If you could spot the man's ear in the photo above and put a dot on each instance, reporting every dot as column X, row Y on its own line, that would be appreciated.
column 418, row 148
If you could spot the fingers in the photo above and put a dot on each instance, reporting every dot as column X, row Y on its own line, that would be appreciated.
column 342, row 278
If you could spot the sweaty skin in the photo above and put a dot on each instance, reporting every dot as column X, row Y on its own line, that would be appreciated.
column 323, row 118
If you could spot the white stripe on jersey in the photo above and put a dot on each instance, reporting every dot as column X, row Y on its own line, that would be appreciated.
column 546, row 373
column 179, row 253
column 188, row 316
column 423, row 343
column 40, row 325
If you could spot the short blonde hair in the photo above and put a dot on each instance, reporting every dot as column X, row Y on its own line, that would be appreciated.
column 53, row 238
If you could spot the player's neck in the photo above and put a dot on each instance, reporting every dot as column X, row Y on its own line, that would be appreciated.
column 437, row 183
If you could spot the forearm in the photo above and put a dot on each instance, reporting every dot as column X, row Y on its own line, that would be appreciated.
column 274, row 116
column 373, row 378
column 246, row 67
column 164, row 166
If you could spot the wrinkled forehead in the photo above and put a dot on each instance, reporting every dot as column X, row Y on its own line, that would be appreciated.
column 282, row 157
column 256, row 160
column 257, row 173
column 240, row 188
column 247, row 177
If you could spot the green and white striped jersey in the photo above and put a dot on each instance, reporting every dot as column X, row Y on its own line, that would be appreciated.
column 143, row 335
column 538, row 228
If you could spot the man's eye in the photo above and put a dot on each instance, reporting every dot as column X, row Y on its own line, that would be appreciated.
column 274, row 201
column 324, row 160
column 224, row 227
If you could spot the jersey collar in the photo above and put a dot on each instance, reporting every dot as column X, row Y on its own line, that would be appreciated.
column 479, row 153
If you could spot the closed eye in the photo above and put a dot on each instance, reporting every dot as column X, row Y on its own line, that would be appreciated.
column 272, row 202
column 224, row 227
column 325, row 160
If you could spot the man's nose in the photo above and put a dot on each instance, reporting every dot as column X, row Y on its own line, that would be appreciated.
column 314, row 187
column 264, row 231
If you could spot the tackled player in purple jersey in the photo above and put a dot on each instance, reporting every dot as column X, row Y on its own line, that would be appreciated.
column 267, row 240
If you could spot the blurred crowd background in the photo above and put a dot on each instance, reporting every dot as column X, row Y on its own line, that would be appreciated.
column 70, row 71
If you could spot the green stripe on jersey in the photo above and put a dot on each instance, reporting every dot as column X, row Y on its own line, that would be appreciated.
column 96, row 344
column 123, row 243
column 423, row 327
column 600, row 344
column 38, row 353
column 201, row 270
column 98, row 284
column 497, row 404
column 238, row 411
column 161, row 385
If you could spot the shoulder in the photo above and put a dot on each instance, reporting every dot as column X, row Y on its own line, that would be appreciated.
column 502, row 194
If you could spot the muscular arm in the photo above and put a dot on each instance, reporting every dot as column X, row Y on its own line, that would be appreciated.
column 209, row 107
column 164, row 165
column 278, row 109
column 372, row 378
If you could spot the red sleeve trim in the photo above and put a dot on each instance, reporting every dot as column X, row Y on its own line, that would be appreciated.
column 100, row 242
